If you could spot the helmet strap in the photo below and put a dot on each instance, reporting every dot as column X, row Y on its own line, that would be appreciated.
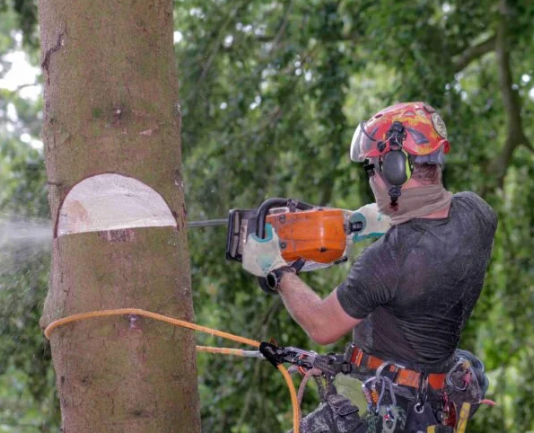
column 369, row 168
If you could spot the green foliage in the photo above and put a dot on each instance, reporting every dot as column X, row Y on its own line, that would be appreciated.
column 26, row 18
column 27, row 396
column 270, row 95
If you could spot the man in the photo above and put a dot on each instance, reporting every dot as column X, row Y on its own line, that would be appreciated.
column 409, row 294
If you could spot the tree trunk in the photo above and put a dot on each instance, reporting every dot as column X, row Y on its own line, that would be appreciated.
column 111, row 97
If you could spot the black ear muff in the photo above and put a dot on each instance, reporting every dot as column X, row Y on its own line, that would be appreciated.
column 396, row 167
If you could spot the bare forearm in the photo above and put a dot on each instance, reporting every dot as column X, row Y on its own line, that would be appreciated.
column 324, row 321
column 303, row 304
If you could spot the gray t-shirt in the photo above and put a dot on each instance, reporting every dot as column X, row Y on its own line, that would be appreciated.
column 417, row 285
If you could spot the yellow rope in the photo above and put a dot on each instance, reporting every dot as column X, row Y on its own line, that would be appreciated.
column 155, row 316
column 221, row 350
column 189, row 325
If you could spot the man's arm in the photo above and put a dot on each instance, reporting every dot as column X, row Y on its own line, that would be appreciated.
column 325, row 321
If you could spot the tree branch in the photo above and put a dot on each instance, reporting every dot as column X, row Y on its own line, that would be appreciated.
column 528, row 145
column 515, row 134
column 215, row 48
column 474, row 52
column 283, row 26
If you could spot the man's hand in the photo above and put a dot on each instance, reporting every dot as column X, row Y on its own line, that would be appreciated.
column 375, row 224
column 261, row 256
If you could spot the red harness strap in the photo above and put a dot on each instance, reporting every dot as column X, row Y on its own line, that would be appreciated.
column 403, row 376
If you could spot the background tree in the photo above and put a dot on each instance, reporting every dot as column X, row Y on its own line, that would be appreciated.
column 270, row 95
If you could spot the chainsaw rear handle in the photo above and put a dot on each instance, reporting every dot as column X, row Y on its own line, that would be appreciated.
column 261, row 220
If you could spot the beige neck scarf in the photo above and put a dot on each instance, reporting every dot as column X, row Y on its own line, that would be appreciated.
column 413, row 202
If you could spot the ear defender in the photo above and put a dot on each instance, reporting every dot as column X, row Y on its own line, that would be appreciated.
column 397, row 167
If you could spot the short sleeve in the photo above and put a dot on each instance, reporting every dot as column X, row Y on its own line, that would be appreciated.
column 371, row 281
column 483, row 209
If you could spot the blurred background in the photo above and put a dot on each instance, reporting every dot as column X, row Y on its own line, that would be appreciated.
column 271, row 92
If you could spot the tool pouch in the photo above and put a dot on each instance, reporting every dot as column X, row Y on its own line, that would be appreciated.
column 419, row 418
column 335, row 415
column 467, row 381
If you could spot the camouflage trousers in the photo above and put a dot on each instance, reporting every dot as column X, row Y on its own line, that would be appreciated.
column 335, row 415
column 338, row 415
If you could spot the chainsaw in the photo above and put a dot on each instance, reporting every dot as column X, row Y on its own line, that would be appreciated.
column 320, row 236
column 317, row 235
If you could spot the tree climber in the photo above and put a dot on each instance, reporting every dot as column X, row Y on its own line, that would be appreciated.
column 409, row 294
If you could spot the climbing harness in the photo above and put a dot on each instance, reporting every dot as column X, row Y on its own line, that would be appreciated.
column 446, row 409
column 383, row 413
column 441, row 403
column 367, row 364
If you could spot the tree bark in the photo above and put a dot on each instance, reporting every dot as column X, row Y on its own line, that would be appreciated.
column 111, row 97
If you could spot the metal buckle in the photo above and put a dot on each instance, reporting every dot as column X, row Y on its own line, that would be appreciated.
column 390, row 374
column 422, row 393
column 369, row 169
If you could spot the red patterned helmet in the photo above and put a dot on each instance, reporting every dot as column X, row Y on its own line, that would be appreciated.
column 425, row 131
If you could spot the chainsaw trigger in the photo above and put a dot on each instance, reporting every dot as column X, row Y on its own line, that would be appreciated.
column 298, row 265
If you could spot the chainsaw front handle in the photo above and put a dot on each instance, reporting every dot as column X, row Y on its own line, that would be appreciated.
column 261, row 220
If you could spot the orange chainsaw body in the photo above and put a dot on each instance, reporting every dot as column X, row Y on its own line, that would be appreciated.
column 317, row 234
